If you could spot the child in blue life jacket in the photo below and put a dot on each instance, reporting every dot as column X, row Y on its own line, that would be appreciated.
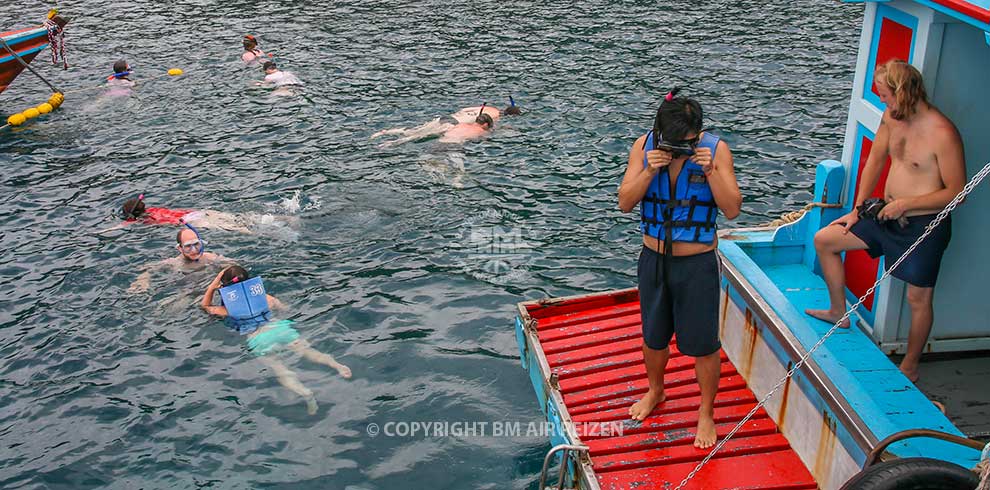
column 247, row 307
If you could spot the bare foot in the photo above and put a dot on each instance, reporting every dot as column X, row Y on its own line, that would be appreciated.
column 311, row 406
column 828, row 316
column 344, row 371
column 939, row 405
column 706, row 432
column 912, row 374
column 642, row 409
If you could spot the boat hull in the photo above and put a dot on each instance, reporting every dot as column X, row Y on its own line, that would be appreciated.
column 27, row 43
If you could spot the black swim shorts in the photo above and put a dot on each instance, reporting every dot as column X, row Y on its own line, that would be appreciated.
column 686, row 303
column 890, row 240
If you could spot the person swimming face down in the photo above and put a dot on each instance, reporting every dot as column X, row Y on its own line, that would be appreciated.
column 134, row 208
column 485, row 121
column 513, row 109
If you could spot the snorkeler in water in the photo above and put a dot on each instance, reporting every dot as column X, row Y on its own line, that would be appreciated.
column 135, row 211
column 119, row 83
column 247, row 309
column 251, row 50
column 468, row 123
column 192, row 256
column 277, row 78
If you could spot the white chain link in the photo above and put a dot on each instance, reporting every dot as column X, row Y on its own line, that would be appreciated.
column 931, row 226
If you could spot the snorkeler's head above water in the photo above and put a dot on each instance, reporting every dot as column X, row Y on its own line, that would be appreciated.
column 189, row 243
column 120, row 70
column 269, row 67
column 250, row 43
column 134, row 208
column 233, row 274
column 513, row 109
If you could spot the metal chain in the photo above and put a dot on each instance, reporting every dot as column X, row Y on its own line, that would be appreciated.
column 931, row 226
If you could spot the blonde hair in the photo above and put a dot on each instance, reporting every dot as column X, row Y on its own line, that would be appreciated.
column 906, row 84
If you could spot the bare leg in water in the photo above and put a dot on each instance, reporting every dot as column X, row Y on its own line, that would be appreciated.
column 303, row 348
column 287, row 378
column 432, row 128
column 656, row 364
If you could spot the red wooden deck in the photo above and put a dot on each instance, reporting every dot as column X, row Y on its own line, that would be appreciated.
column 593, row 344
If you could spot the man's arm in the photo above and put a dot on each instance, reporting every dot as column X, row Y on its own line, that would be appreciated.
column 637, row 179
column 874, row 163
column 143, row 280
column 870, row 175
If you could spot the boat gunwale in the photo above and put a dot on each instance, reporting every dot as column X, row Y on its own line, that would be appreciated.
column 589, row 480
column 859, row 431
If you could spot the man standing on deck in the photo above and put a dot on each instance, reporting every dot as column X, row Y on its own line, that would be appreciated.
column 681, row 177
column 927, row 169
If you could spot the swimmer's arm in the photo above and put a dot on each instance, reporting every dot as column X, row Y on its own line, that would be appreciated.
column 207, row 302
column 143, row 280
column 274, row 303
column 116, row 227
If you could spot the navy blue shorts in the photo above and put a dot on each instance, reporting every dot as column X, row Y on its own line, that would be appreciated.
column 688, row 306
column 890, row 240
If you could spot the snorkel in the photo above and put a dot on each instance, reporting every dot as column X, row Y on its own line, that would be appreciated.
column 512, row 110
column 121, row 69
column 119, row 75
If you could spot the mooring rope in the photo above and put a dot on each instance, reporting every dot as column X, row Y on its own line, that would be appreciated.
column 788, row 218
column 931, row 227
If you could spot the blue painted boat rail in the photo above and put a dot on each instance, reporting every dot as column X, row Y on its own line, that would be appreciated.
column 773, row 272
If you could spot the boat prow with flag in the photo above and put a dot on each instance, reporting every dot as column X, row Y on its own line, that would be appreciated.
column 801, row 404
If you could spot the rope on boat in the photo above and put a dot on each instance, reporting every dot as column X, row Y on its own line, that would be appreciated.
column 984, row 475
column 928, row 230
column 788, row 218
column 21, row 60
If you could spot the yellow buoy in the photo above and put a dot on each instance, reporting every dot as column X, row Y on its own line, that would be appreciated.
column 175, row 71
column 45, row 108
column 56, row 100
column 31, row 113
column 16, row 119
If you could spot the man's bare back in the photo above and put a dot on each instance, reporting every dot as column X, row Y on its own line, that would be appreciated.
column 914, row 164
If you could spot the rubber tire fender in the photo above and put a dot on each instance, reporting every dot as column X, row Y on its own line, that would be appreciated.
column 914, row 474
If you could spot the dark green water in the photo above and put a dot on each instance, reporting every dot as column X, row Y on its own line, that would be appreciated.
column 391, row 268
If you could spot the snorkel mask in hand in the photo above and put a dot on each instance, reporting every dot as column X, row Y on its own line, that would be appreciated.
column 678, row 148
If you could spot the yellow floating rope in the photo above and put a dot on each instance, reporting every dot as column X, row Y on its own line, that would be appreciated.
column 790, row 217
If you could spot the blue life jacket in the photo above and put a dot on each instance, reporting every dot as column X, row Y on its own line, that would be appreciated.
column 688, row 216
column 247, row 305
